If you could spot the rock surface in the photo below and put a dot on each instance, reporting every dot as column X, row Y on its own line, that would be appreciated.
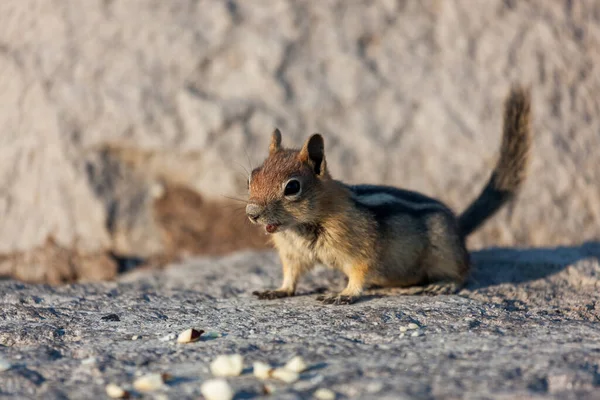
column 526, row 326
column 107, row 101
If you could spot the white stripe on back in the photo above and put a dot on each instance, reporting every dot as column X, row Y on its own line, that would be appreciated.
column 379, row 199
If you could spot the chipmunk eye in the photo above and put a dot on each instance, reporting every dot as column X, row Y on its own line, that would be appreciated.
column 292, row 188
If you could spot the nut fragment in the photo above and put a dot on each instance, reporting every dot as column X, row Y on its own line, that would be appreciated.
column 116, row 392
column 216, row 389
column 403, row 329
column 324, row 394
column 189, row 335
column 149, row 383
column 262, row 370
column 413, row 326
column 296, row 364
column 268, row 389
column 285, row 375
column 227, row 365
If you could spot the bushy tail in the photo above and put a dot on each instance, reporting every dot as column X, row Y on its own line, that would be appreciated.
column 511, row 169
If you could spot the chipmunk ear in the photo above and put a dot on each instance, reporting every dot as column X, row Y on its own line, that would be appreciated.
column 313, row 153
column 275, row 145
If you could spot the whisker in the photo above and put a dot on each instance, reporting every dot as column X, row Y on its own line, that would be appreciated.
column 240, row 213
column 235, row 199
column 242, row 165
column 241, row 194
column 245, row 177
column 234, row 206
column 248, row 157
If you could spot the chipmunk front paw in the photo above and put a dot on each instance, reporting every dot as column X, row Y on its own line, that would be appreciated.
column 271, row 294
column 337, row 299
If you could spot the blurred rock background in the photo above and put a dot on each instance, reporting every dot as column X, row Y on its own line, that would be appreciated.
column 126, row 125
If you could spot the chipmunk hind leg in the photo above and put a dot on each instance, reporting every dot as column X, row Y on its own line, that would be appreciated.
column 443, row 277
column 446, row 262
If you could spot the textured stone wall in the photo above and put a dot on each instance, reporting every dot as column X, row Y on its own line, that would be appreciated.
column 107, row 104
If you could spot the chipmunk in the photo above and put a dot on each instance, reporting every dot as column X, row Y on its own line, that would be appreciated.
column 376, row 235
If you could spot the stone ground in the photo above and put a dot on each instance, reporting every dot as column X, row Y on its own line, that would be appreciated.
column 116, row 111
column 526, row 326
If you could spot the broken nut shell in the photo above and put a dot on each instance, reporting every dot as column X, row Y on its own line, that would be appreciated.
column 189, row 335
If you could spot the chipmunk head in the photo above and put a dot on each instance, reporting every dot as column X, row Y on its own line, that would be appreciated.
column 285, row 190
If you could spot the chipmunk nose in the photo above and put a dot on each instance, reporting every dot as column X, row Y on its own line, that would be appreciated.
column 253, row 211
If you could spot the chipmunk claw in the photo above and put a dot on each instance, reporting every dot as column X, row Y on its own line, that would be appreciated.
column 270, row 294
column 337, row 299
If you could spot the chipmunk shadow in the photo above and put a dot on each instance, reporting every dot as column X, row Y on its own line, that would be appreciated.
column 495, row 266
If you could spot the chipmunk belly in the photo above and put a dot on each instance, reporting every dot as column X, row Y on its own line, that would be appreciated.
column 333, row 258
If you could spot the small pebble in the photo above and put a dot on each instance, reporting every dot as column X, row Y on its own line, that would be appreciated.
column 135, row 337
column 227, row 365
column 285, row 375
column 149, row 383
column 216, row 389
column 262, row 370
column 212, row 335
column 4, row 365
column 403, row 329
column 111, row 318
column 416, row 333
column 89, row 361
column 189, row 335
column 401, row 335
column 296, row 364
column 413, row 326
column 374, row 387
column 169, row 337
column 116, row 392
column 324, row 394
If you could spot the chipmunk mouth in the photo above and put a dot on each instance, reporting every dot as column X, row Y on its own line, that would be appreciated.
column 272, row 228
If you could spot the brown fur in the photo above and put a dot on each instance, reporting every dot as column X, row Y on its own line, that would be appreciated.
column 510, row 171
column 380, row 236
